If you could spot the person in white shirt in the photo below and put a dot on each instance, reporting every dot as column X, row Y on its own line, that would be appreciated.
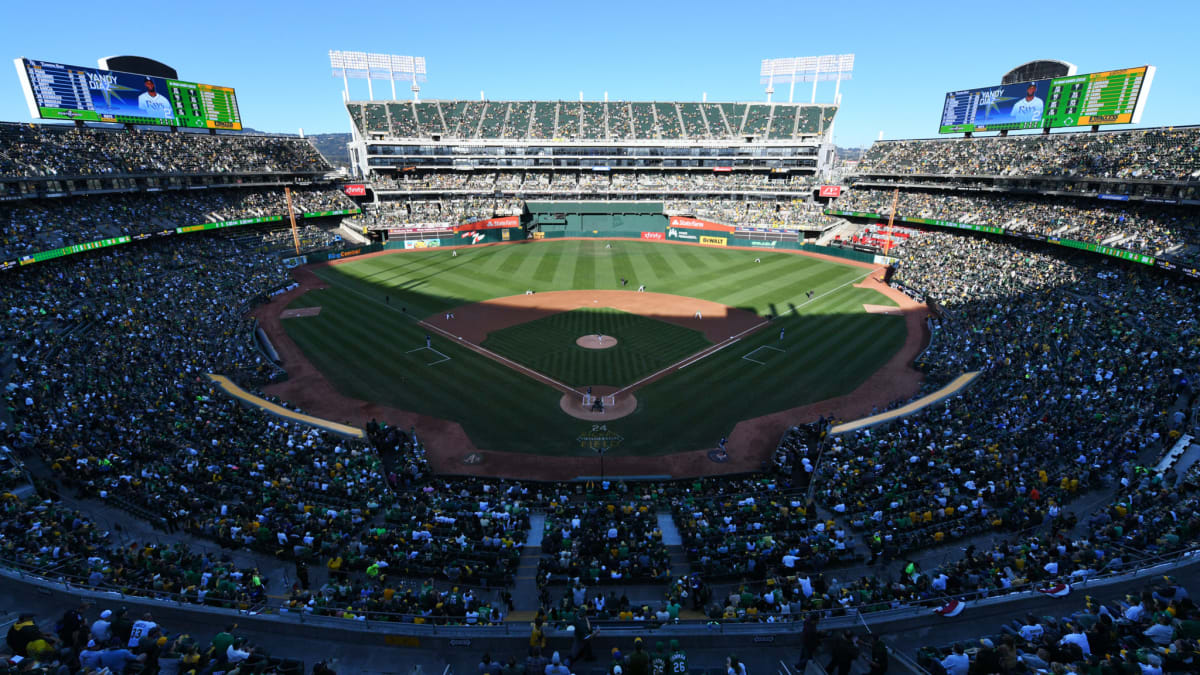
column 235, row 655
column 102, row 627
column 1032, row 631
column 1077, row 637
column 154, row 104
column 141, row 628
column 1161, row 632
column 957, row 663
column 1028, row 109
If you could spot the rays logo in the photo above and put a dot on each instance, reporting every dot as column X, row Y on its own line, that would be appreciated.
column 475, row 237
column 991, row 100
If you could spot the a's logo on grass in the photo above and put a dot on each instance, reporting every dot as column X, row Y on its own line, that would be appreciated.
column 472, row 459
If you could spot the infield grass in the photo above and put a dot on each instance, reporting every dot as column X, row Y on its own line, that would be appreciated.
column 363, row 338
column 643, row 347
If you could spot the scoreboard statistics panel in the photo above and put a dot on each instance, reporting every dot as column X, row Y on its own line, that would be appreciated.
column 62, row 92
column 1112, row 97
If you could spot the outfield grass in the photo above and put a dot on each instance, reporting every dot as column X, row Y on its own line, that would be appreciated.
column 362, row 342
column 644, row 346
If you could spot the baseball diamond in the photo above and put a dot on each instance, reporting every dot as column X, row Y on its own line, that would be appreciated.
column 512, row 355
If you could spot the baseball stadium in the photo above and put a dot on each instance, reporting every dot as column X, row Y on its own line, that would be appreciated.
column 597, row 387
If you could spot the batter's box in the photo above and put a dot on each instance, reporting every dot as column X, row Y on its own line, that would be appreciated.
column 437, row 356
column 763, row 352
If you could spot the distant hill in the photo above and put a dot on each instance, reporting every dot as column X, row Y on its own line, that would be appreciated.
column 331, row 146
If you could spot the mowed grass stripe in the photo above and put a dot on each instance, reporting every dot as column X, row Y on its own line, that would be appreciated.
column 565, row 272
column 547, row 265
column 585, row 271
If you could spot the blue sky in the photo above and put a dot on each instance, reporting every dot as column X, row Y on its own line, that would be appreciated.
column 908, row 53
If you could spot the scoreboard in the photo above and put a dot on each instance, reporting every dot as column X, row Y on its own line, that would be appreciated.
column 1111, row 97
column 61, row 92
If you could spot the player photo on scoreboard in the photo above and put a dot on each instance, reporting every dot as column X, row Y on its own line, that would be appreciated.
column 126, row 94
column 1017, row 103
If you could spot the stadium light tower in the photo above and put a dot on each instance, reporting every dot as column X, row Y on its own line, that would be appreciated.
column 390, row 67
column 806, row 69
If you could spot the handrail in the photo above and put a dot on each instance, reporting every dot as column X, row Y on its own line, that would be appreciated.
column 782, row 624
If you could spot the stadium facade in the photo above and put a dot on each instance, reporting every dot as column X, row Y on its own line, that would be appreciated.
column 441, row 163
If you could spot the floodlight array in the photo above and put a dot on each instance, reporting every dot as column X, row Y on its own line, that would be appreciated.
column 807, row 68
column 363, row 65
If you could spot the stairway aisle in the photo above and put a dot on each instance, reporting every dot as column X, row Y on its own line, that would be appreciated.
column 525, row 591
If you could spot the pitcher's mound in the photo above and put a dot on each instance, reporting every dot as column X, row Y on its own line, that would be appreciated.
column 596, row 341
column 572, row 404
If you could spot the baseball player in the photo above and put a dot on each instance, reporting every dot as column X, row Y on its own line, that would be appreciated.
column 154, row 104
column 1028, row 109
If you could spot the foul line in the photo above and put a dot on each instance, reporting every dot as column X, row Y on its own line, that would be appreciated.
column 469, row 345
column 835, row 290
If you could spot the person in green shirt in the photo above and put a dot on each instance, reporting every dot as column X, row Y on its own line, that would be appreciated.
column 221, row 641
column 658, row 660
column 678, row 660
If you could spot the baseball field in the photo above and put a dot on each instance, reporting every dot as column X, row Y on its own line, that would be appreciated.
column 496, row 338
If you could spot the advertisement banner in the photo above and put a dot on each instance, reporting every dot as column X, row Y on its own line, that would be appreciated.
column 344, row 254
column 422, row 243
column 695, row 224
column 713, row 241
column 355, row 190
column 763, row 244
column 339, row 212
column 294, row 261
column 681, row 235
column 831, row 191
column 489, row 224
column 654, row 236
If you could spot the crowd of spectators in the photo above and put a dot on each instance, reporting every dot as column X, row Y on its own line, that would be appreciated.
column 1154, row 229
column 44, row 151
column 446, row 211
column 591, row 181
column 86, row 639
column 1146, row 154
column 603, row 541
column 1150, row 632
column 30, row 226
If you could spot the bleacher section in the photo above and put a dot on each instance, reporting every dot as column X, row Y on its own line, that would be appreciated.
column 592, row 120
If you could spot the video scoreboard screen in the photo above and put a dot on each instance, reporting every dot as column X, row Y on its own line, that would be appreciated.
column 55, row 91
column 1112, row 97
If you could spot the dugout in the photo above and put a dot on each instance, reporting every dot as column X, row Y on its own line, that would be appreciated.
column 594, row 218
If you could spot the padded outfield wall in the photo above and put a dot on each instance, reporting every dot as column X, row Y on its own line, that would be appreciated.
column 594, row 219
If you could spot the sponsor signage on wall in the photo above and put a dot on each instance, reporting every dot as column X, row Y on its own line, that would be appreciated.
column 683, row 235
column 696, row 224
column 355, row 190
column 490, row 223
column 422, row 243
column 831, row 190
column 713, row 241
column 653, row 236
